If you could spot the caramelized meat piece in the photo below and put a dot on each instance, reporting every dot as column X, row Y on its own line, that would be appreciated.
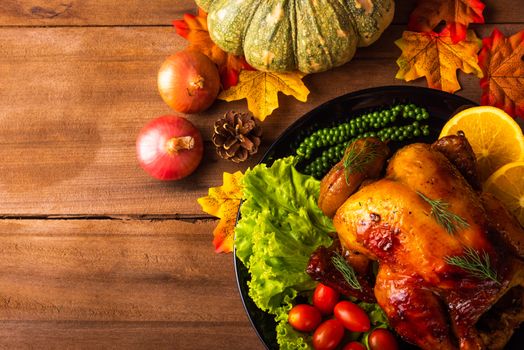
column 459, row 152
column 502, row 225
column 363, row 159
column 413, row 310
column 321, row 269
column 412, row 222
column 497, row 325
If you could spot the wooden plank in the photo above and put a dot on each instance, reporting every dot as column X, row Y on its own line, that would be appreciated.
column 162, row 12
column 127, row 335
column 74, row 99
column 92, row 12
column 68, row 283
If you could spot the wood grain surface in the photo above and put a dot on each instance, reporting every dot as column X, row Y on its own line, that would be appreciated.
column 150, row 280
column 94, row 254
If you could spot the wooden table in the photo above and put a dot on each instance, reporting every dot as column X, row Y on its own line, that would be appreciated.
column 93, row 252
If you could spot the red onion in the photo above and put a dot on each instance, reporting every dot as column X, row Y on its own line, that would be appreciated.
column 169, row 148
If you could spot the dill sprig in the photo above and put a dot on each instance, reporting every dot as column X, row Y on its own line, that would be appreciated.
column 446, row 218
column 476, row 264
column 346, row 270
column 356, row 158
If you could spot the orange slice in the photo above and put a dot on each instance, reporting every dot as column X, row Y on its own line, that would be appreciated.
column 507, row 184
column 494, row 136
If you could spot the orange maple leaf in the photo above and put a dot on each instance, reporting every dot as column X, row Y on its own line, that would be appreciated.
column 457, row 14
column 503, row 67
column 195, row 30
column 261, row 90
column 223, row 202
column 435, row 57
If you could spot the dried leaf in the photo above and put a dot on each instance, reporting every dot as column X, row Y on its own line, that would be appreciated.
column 194, row 29
column 502, row 62
column 457, row 14
column 435, row 57
column 261, row 90
column 223, row 202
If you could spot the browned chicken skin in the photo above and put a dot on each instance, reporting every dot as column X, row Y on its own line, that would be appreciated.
column 342, row 181
column 459, row 152
column 430, row 302
column 321, row 268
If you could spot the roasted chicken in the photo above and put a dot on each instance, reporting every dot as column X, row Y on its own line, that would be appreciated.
column 446, row 252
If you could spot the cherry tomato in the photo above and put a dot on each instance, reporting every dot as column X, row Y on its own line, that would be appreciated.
column 304, row 318
column 325, row 298
column 352, row 316
column 354, row 345
column 382, row 339
column 328, row 335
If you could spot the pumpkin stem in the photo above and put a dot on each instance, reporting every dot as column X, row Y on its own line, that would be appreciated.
column 176, row 144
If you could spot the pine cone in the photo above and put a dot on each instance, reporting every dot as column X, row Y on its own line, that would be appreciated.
column 236, row 136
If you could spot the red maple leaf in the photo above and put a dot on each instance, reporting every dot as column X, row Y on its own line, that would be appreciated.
column 194, row 29
column 457, row 14
column 502, row 62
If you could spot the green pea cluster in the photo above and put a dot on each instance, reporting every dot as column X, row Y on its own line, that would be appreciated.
column 329, row 157
column 373, row 124
column 404, row 132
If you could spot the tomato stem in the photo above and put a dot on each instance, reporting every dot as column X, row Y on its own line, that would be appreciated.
column 176, row 144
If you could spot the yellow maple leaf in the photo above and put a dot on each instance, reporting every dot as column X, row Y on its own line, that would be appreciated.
column 435, row 57
column 261, row 90
column 223, row 202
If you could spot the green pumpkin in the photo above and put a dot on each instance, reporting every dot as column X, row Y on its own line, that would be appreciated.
column 286, row 35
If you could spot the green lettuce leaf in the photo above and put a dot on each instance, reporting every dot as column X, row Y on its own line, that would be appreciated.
column 280, row 226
